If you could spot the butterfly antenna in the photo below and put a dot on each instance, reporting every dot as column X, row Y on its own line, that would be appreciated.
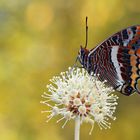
column 75, row 64
column 86, row 33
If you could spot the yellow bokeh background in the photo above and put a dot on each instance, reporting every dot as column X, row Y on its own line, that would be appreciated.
column 41, row 38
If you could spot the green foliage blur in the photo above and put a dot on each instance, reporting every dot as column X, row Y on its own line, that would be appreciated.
column 41, row 38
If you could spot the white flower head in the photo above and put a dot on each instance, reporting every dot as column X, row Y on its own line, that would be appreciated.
column 75, row 93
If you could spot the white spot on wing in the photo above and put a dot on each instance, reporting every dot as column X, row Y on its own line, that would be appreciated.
column 114, row 59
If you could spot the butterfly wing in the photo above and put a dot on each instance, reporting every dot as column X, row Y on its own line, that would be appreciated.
column 117, row 60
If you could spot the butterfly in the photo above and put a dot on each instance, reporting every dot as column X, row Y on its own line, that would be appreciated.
column 116, row 60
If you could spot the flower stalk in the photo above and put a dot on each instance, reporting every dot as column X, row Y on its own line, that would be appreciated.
column 77, row 128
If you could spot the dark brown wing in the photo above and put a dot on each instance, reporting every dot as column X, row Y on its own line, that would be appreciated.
column 117, row 60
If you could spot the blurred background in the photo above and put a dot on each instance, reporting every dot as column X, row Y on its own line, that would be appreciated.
column 41, row 38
